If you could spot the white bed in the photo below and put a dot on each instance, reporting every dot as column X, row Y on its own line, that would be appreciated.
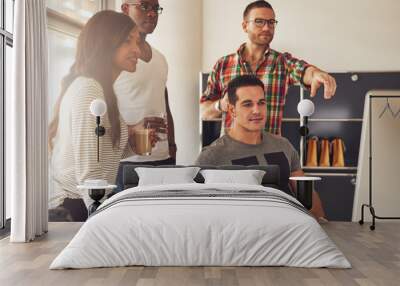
column 224, row 225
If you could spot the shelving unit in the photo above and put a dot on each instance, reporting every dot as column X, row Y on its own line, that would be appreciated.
column 330, row 168
column 341, row 116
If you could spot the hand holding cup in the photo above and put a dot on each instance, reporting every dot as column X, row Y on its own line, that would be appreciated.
column 159, row 122
column 156, row 123
column 142, row 139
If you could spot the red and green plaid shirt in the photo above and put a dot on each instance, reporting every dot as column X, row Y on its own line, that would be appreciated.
column 278, row 71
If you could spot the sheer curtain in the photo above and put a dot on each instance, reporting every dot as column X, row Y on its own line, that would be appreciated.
column 28, row 121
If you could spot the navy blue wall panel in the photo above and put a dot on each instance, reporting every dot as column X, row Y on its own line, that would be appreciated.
column 350, row 95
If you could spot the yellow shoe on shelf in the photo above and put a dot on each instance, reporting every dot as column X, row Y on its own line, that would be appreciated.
column 338, row 152
column 312, row 150
column 324, row 159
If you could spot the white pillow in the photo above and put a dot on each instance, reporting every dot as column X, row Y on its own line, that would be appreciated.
column 248, row 177
column 162, row 176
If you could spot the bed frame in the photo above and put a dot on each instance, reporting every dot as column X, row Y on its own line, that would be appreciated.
column 271, row 178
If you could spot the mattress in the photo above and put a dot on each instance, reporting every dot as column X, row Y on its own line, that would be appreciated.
column 201, row 225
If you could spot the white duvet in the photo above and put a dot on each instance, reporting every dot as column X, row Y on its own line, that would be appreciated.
column 202, row 231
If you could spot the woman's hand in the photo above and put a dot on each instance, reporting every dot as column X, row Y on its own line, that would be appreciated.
column 134, row 129
column 156, row 123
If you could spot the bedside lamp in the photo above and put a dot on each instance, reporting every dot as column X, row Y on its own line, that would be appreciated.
column 97, row 187
column 305, row 108
column 98, row 108
column 305, row 185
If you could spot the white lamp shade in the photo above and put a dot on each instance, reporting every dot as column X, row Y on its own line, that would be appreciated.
column 98, row 107
column 306, row 107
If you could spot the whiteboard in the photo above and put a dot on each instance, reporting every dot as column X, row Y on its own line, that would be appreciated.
column 385, row 142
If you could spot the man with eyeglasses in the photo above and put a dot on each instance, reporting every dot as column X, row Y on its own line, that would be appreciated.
column 142, row 95
column 276, row 70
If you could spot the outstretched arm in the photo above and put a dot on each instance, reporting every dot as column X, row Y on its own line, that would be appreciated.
column 314, row 77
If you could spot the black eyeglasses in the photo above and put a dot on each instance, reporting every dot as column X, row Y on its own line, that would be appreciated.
column 146, row 7
column 262, row 22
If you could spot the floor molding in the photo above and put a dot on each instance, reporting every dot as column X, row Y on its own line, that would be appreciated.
column 5, row 232
column 374, row 255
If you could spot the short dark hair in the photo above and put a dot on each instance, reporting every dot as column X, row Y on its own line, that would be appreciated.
column 256, row 4
column 242, row 81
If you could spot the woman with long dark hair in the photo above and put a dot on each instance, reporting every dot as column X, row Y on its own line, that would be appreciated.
column 107, row 45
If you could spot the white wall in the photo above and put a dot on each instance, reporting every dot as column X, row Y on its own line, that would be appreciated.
column 338, row 36
column 179, row 36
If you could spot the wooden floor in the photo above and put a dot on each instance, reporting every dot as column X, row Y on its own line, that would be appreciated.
column 375, row 257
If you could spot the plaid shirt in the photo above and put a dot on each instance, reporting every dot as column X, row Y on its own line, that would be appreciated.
column 278, row 71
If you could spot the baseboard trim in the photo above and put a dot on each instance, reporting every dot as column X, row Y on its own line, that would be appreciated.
column 4, row 232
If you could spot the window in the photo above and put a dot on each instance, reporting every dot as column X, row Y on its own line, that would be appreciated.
column 9, row 15
column 77, row 10
column 6, row 44
column 65, row 19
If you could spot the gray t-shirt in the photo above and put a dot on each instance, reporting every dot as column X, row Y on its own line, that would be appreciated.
column 273, row 150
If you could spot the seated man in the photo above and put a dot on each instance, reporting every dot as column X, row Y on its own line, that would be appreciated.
column 248, row 144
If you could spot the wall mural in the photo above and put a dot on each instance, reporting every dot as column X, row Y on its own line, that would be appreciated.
column 112, row 109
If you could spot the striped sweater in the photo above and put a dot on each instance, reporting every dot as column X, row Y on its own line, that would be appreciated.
column 74, row 156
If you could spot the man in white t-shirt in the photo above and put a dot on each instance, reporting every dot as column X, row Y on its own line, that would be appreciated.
column 142, row 95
